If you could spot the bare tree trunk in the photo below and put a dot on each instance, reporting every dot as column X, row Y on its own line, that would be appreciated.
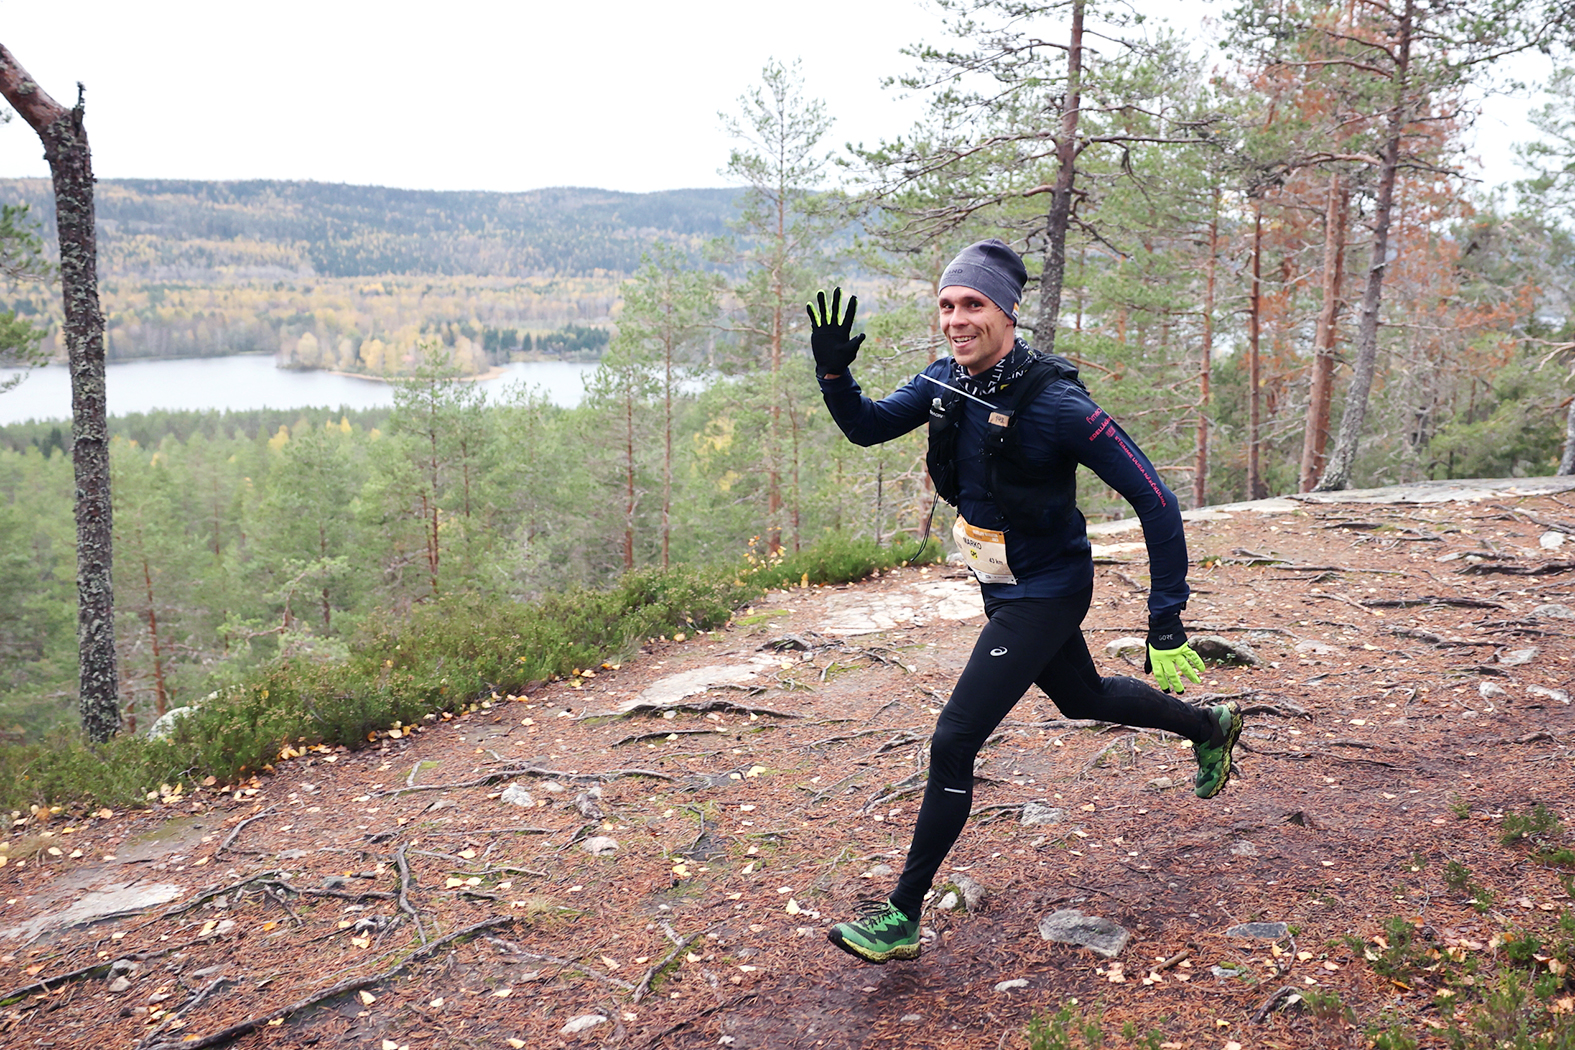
column 628, row 467
column 1054, row 274
column 160, row 695
column 667, row 452
column 1315, row 438
column 71, row 164
column 1255, row 487
column 322, row 552
column 434, row 551
column 774, row 461
column 1343, row 459
column 795, row 428
column 1200, row 473
column 1567, row 461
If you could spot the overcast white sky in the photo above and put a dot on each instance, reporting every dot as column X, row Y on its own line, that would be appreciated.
column 473, row 94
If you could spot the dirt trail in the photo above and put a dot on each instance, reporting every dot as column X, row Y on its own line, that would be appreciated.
column 717, row 801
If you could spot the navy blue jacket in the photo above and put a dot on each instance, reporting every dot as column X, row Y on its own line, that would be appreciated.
column 1060, row 429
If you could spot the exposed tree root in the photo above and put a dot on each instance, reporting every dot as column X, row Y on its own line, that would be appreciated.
column 527, row 771
column 228, row 1035
column 235, row 832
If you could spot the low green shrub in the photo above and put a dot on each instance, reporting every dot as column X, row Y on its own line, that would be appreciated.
column 440, row 656
column 1540, row 829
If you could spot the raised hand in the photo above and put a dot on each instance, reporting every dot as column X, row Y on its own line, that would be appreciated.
column 830, row 333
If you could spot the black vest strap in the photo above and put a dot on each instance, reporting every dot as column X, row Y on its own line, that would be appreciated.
column 1032, row 504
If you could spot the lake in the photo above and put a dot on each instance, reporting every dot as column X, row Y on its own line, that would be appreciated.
column 249, row 381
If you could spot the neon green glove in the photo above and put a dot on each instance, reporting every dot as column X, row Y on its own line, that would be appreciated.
column 1168, row 665
column 1169, row 656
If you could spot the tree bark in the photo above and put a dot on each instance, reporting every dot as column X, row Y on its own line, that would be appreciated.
column 1255, row 486
column 667, row 438
column 160, row 695
column 1315, row 437
column 628, row 466
column 1567, row 461
column 1200, row 472
column 1343, row 459
column 71, row 165
column 1054, row 274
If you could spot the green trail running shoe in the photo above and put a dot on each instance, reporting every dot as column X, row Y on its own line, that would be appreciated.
column 1214, row 755
column 880, row 934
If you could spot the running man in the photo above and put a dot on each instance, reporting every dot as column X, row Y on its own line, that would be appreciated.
column 1008, row 428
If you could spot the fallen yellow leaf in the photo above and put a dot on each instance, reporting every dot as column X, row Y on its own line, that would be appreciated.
column 502, row 993
column 367, row 998
column 517, row 1044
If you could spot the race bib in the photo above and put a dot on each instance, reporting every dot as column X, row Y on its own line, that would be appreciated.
column 986, row 551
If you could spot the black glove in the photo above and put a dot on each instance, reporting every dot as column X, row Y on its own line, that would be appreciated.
column 829, row 335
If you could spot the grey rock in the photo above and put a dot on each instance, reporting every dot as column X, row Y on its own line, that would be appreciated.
column 1243, row 848
column 581, row 1024
column 1227, row 971
column 973, row 893
column 912, row 1018
column 1040, row 813
column 164, row 725
column 120, row 984
column 290, row 854
column 1006, row 986
column 587, row 803
column 128, row 966
column 1552, row 694
column 1123, row 646
column 443, row 803
column 516, row 795
column 1314, row 648
column 1518, row 657
column 1070, row 926
column 335, row 882
column 1488, row 690
column 552, row 787
column 880, row 871
column 1222, row 650
column 949, row 902
column 1554, row 611
column 208, row 971
column 1551, row 540
column 1160, row 784
column 1259, row 931
column 600, row 845
column 98, row 903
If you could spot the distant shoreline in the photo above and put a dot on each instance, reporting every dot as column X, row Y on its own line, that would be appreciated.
column 495, row 372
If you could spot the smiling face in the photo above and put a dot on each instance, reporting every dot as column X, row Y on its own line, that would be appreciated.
column 979, row 332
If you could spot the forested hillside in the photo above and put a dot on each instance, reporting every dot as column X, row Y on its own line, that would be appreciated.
column 155, row 230
column 364, row 273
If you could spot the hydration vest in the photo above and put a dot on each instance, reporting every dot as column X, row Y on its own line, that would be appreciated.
column 1036, row 500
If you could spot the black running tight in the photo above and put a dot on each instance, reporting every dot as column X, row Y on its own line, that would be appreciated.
column 1028, row 641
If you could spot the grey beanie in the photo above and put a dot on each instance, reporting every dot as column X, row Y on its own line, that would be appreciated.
column 990, row 267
